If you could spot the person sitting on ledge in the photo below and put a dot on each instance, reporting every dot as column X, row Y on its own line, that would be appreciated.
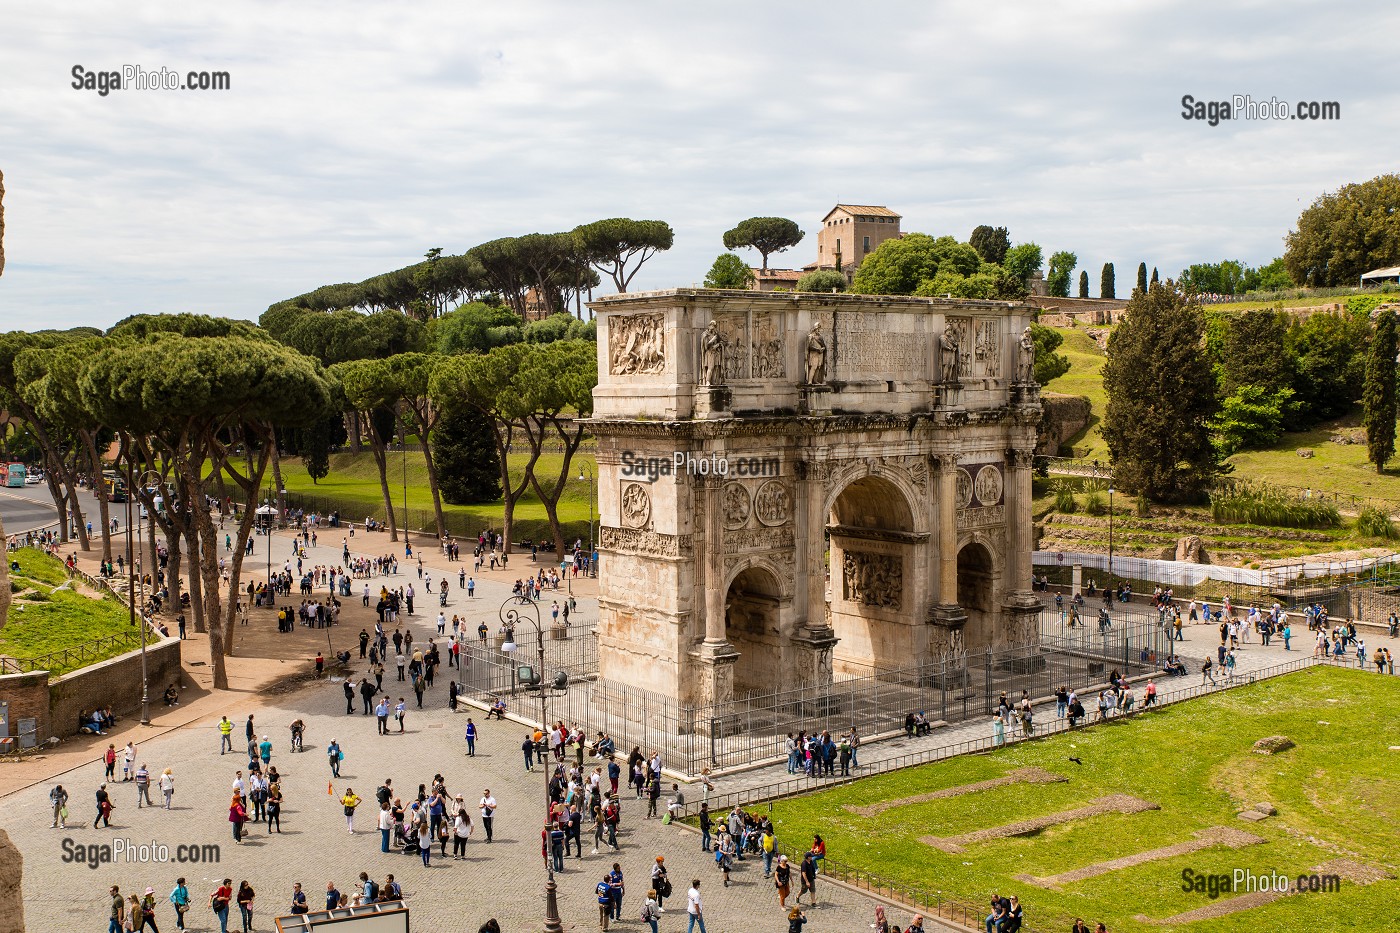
column 172, row 696
column 498, row 709
column 88, row 723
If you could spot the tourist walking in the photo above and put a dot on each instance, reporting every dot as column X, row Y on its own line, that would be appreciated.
column 58, row 798
column 180, row 900
column 694, row 908
column 219, row 901
column 167, row 786
column 245, row 905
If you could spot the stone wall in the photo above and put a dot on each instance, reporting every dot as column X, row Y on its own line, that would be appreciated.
column 115, row 682
column 28, row 697
column 1065, row 416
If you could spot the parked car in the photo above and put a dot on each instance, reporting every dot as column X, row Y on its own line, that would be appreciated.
column 33, row 479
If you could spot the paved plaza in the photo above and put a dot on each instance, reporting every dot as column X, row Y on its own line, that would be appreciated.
column 503, row 879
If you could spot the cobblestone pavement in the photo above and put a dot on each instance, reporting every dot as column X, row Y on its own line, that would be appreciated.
column 503, row 879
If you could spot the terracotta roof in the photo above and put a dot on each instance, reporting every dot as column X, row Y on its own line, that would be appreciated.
column 786, row 275
column 869, row 209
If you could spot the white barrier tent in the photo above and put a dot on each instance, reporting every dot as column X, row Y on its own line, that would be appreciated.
column 1183, row 573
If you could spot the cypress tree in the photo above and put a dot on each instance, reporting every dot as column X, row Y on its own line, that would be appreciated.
column 1083, row 284
column 464, row 450
column 1161, row 396
column 1378, row 393
column 1154, row 275
column 1106, row 287
column 1142, row 277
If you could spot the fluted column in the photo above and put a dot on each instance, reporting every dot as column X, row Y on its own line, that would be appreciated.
column 1018, row 518
column 947, row 529
column 714, row 562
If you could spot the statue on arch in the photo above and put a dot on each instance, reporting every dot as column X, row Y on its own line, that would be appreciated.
column 816, row 356
column 1025, row 358
column 948, row 344
column 712, row 345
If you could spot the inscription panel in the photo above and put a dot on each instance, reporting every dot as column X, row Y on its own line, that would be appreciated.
column 865, row 344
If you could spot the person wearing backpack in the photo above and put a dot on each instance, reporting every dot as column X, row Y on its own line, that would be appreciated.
column 218, row 902
column 651, row 910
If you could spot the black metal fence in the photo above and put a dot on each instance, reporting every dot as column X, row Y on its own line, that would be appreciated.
column 754, row 727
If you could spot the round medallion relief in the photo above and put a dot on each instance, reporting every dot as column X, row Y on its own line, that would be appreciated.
column 636, row 505
column 736, row 505
column 964, row 488
column 772, row 505
column 988, row 485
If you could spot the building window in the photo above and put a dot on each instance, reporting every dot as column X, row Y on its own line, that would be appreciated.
column 866, row 245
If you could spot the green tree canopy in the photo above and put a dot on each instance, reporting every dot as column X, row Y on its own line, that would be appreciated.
column 729, row 271
column 1329, row 354
column 1255, row 353
column 1345, row 233
column 822, row 280
column 1378, row 395
column 1023, row 261
column 900, row 266
column 1161, row 398
column 476, row 328
column 766, row 234
column 1048, row 364
column 991, row 243
column 1106, row 284
column 1062, row 265
column 619, row 246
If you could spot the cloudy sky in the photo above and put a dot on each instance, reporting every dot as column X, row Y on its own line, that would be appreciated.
column 358, row 135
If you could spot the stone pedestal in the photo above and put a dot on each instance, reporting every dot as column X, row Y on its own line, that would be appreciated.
column 948, row 395
column 1076, row 580
column 1022, row 611
column 1025, row 393
column 812, row 649
column 815, row 400
column 714, row 693
column 713, row 401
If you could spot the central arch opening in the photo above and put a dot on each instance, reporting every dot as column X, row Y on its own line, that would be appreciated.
column 870, row 576
column 752, row 625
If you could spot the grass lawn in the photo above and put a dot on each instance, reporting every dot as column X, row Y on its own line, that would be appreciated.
column 1338, row 796
column 354, row 481
column 1085, row 377
column 56, row 621
column 1335, row 469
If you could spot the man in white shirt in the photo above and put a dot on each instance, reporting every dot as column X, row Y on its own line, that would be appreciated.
column 488, row 812
column 692, row 906
column 238, row 784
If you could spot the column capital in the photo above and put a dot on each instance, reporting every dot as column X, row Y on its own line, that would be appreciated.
column 944, row 463
column 1020, row 457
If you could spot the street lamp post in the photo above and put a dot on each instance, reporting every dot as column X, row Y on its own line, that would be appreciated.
column 510, row 616
column 592, row 493
column 133, row 547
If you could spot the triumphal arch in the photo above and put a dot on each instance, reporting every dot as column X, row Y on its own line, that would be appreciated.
column 799, row 486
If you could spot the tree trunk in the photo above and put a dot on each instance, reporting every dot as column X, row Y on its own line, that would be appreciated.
column 235, row 578
column 196, row 589
column 423, row 431
column 550, row 499
column 512, row 494
column 352, row 429
column 99, row 488
column 77, row 512
column 209, row 574
column 172, row 566
column 376, row 447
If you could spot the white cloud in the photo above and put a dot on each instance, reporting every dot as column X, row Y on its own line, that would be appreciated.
column 357, row 135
